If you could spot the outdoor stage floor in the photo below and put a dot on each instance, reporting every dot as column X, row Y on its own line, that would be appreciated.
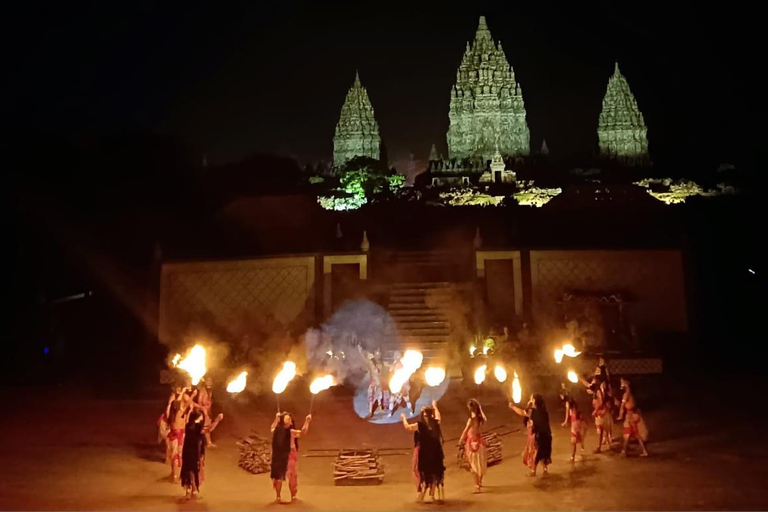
column 61, row 452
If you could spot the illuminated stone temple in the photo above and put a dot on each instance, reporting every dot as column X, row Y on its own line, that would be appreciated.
column 621, row 128
column 357, row 133
column 486, row 110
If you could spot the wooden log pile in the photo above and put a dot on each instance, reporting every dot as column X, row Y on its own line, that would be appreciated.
column 255, row 454
column 492, row 450
column 357, row 467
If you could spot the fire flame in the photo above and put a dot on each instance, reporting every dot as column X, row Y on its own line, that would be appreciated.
column 517, row 391
column 558, row 356
column 284, row 377
column 434, row 375
column 570, row 350
column 480, row 374
column 411, row 361
column 472, row 350
column 237, row 385
column 321, row 384
column 193, row 364
column 500, row 373
column 573, row 377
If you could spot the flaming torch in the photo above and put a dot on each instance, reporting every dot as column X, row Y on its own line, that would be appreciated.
column 500, row 373
column 558, row 355
column 434, row 376
column 517, row 391
column 573, row 377
column 283, row 378
column 318, row 385
column 237, row 385
column 480, row 377
column 570, row 350
column 410, row 362
column 193, row 364
column 472, row 351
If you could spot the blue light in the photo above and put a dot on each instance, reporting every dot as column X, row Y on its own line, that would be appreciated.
column 46, row 350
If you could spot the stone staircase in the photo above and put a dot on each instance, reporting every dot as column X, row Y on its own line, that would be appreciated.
column 421, row 324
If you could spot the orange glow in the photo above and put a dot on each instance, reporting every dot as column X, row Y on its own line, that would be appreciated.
column 321, row 384
column 284, row 377
column 237, row 385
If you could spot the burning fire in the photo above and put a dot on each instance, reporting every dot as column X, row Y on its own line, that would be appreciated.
column 411, row 361
column 570, row 350
column 237, row 385
column 472, row 350
column 558, row 356
column 517, row 391
column 193, row 364
column 480, row 374
column 500, row 373
column 434, row 375
column 321, row 384
column 573, row 377
column 284, row 377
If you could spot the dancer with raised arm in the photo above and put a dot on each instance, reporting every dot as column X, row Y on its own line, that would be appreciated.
column 536, row 411
column 429, row 452
column 634, row 426
column 285, row 453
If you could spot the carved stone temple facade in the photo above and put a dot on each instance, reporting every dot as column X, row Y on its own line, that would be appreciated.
column 357, row 133
column 621, row 129
column 486, row 111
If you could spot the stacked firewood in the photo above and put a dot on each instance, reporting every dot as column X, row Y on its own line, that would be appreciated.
column 357, row 467
column 255, row 454
column 492, row 450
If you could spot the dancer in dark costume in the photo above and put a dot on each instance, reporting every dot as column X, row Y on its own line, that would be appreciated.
column 536, row 410
column 193, row 454
column 285, row 453
column 430, row 464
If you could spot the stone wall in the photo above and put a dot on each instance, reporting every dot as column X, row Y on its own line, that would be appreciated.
column 652, row 279
column 222, row 292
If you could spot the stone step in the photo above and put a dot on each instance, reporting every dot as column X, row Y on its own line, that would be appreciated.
column 421, row 338
column 420, row 292
column 422, row 284
column 412, row 306
column 420, row 333
column 422, row 324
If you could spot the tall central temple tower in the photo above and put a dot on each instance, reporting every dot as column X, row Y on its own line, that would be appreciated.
column 357, row 133
column 487, row 111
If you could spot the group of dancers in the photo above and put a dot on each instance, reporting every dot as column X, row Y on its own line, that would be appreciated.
column 186, row 427
column 379, row 394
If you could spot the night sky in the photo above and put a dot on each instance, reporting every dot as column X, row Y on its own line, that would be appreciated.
column 231, row 79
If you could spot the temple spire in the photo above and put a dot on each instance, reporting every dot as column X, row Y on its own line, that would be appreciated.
column 486, row 106
column 433, row 156
column 621, row 128
column 357, row 133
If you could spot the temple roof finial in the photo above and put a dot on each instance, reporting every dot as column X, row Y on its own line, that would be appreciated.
column 357, row 78
column 616, row 68
column 482, row 24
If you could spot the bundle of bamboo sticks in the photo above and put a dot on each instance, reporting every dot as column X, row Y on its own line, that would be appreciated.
column 492, row 450
column 255, row 454
column 357, row 467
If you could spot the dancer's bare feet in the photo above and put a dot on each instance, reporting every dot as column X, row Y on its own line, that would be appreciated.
column 644, row 454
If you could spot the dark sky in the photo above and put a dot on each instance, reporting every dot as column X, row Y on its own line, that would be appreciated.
column 229, row 79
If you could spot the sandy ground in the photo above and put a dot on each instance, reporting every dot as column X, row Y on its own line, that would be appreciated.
column 63, row 452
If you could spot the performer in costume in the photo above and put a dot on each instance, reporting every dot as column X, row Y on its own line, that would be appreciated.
column 578, row 427
column 536, row 411
column 285, row 453
column 430, row 459
column 634, row 426
column 474, row 446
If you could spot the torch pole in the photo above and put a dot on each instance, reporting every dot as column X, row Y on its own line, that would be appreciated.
column 311, row 401
column 277, row 399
